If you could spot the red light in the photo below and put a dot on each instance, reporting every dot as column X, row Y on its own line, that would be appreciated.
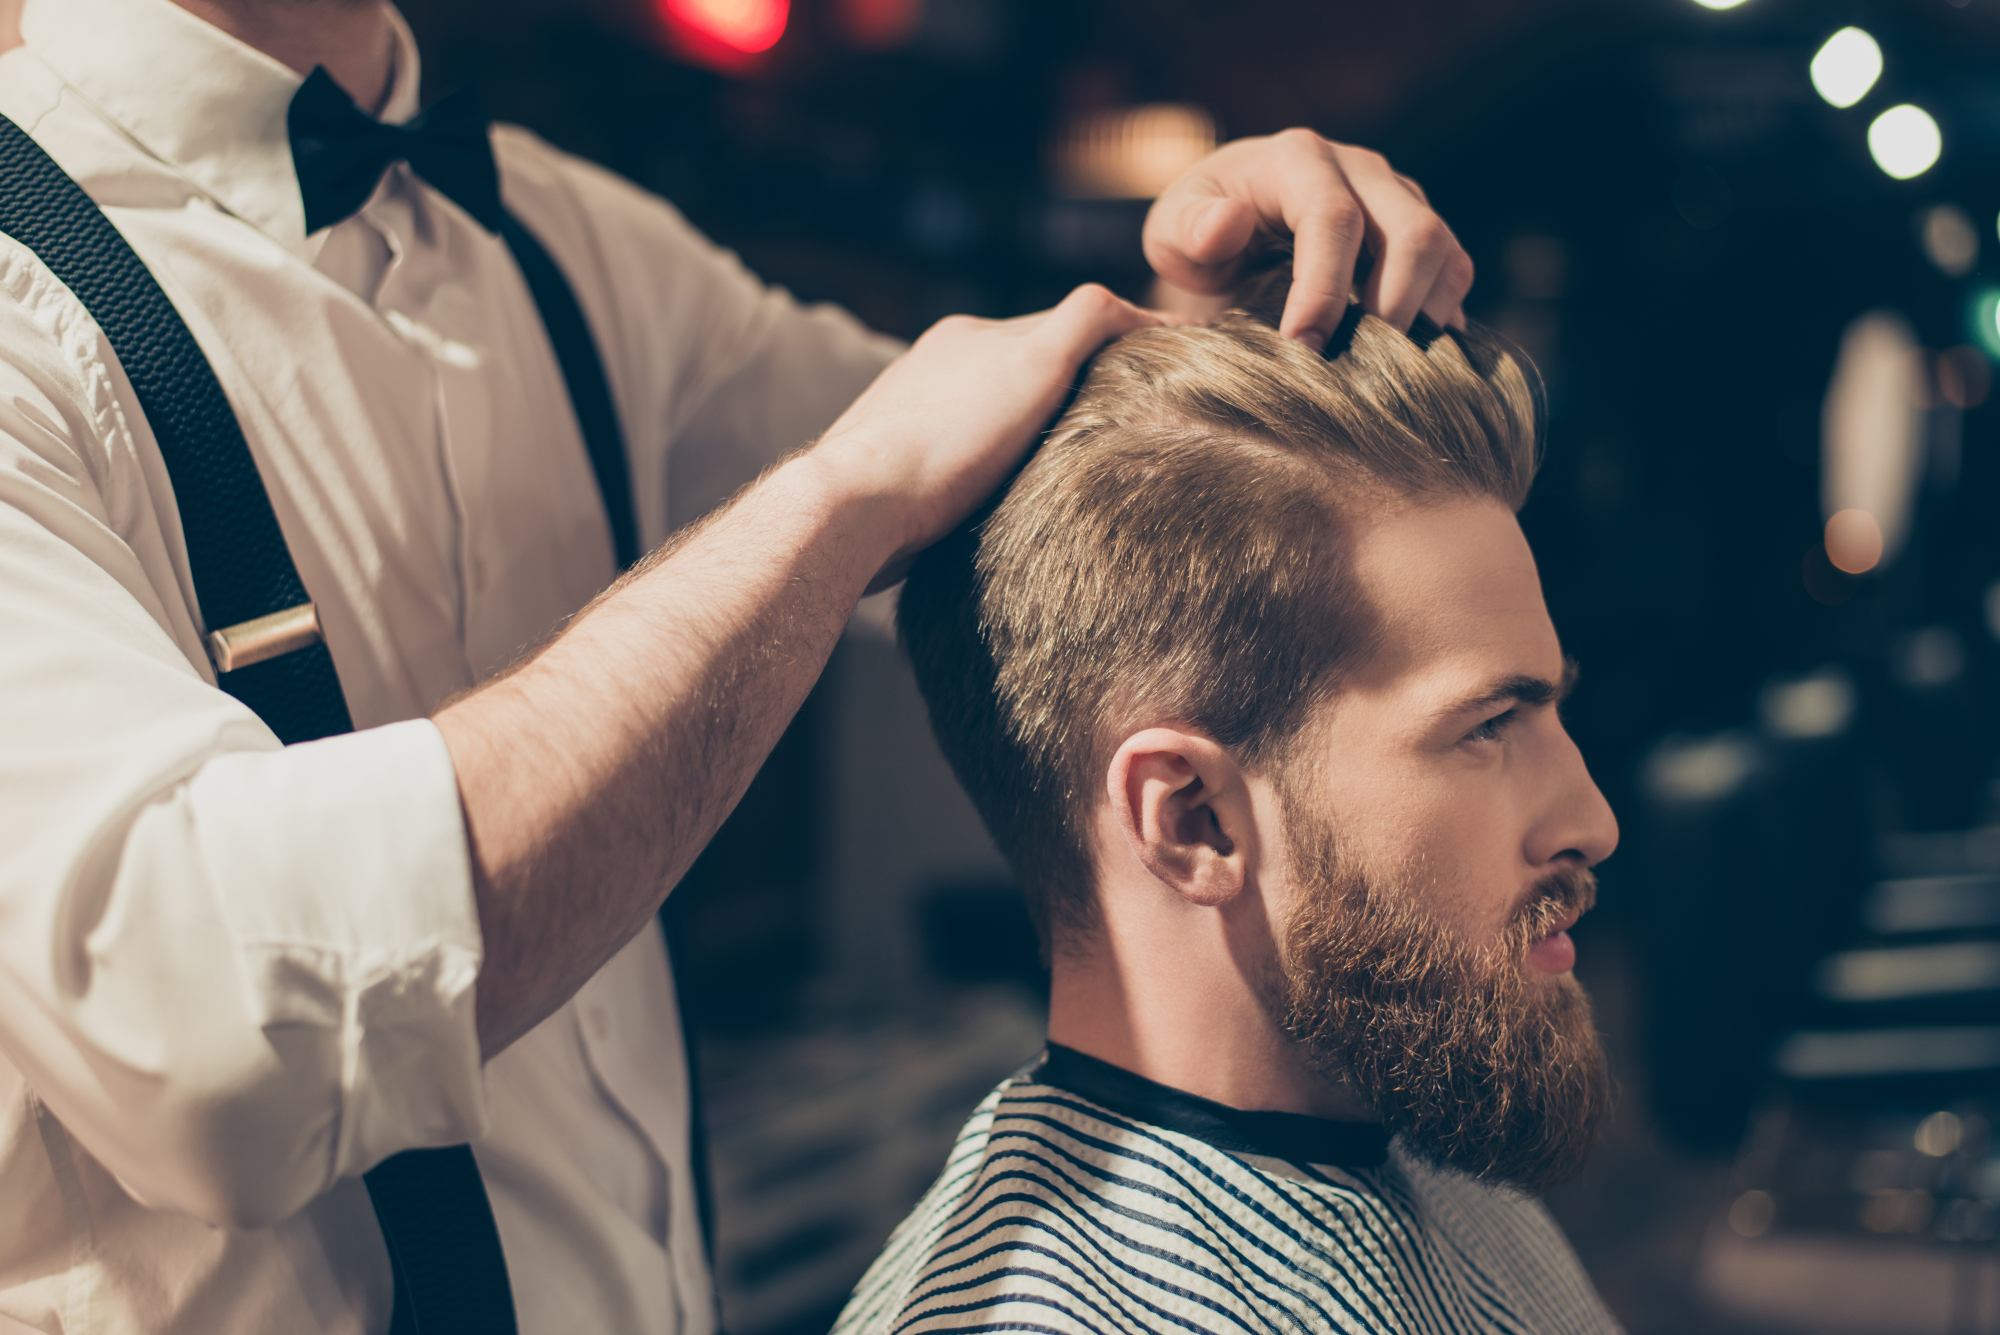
column 738, row 27
column 879, row 25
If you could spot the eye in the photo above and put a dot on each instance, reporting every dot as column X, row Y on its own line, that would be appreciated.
column 1490, row 730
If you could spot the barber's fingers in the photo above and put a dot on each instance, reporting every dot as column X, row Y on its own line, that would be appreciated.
column 1203, row 229
column 1419, row 265
column 1432, row 276
column 1331, row 200
column 1092, row 316
column 1058, row 341
column 1329, row 226
column 1196, row 235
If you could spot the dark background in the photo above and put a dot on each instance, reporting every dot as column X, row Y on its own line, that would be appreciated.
column 1676, row 227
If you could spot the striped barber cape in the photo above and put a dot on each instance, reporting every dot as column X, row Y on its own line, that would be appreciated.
column 1083, row 1198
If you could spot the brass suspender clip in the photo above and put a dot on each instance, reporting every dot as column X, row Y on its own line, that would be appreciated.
column 266, row 637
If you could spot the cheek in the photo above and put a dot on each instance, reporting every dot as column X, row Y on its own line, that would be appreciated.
column 1450, row 843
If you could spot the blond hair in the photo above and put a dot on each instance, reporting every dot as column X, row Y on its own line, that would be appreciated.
column 1177, row 547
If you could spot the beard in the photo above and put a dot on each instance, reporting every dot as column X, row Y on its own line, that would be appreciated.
column 1474, row 1060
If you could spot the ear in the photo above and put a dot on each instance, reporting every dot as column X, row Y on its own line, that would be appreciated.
column 1185, row 809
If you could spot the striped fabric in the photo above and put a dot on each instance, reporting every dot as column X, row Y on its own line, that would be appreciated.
column 1125, row 1206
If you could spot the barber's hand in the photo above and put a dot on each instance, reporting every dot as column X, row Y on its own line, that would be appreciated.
column 1330, row 199
column 939, row 430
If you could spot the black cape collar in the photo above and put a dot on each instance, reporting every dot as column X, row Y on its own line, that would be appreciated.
column 1292, row 1137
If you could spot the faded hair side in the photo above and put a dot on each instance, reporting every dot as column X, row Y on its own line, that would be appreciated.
column 1177, row 549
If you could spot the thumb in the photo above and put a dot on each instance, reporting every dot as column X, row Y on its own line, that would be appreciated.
column 1092, row 316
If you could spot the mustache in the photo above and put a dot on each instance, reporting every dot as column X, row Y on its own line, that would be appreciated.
column 1564, row 894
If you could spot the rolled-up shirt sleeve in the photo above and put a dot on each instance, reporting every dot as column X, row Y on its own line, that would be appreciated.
column 236, row 971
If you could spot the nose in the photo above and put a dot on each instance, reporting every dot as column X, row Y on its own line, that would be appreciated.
column 1576, row 823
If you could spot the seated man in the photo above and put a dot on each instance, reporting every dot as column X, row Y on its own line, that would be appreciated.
column 1250, row 676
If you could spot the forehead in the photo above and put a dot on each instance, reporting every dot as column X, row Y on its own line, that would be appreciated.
column 1457, row 596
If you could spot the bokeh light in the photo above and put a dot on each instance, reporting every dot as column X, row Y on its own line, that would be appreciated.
column 1131, row 152
column 1854, row 541
column 1964, row 376
column 1983, row 319
column 1939, row 1134
column 1873, row 433
column 879, row 25
column 1905, row 141
column 1846, row 67
column 1949, row 239
column 1751, row 1214
column 1718, row 4
column 744, row 27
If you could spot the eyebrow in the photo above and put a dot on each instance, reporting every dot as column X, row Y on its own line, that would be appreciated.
column 1519, row 689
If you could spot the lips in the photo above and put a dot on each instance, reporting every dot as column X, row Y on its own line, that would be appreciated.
column 1570, row 891
column 1555, row 952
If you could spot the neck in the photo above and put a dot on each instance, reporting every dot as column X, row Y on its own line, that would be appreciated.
column 1171, row 1001
column 352, row 38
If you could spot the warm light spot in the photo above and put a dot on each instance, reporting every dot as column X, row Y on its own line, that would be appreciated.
column 1718, row 4
column 1964, row 377
column 879, row 25
column 1751, row 1214
column 743, row 26
column 1897, row 1210
column 1805, row 708
column 1949, row 239
column 1873, row 429
column 1131, row 152
column 1924, row 660
column 1693, row 771
column 1939, row 1134
column 1905, row 141
column 1854, row 541
column 1846, row 67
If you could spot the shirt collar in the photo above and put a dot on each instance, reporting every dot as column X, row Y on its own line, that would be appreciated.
column 197, row 99
column 1292, row 1137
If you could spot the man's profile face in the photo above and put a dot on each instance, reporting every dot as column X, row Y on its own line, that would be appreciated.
column 1440, row 827
column 1443, row 754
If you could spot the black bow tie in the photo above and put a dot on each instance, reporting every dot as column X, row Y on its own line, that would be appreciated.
column 340, row 152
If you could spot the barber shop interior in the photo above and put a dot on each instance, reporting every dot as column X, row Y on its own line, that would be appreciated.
column 1737, row 263
column 1751, row 248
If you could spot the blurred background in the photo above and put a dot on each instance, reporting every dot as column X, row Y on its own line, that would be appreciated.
column 1753, row 249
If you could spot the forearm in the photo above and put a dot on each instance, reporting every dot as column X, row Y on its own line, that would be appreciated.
column 593, row 775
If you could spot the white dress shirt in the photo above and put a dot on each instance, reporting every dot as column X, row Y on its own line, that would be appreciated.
column 236, row 975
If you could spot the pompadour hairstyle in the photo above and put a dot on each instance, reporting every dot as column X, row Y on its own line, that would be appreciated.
column 1177, row 549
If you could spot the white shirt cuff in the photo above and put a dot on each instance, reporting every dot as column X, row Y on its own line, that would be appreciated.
column 341, row 870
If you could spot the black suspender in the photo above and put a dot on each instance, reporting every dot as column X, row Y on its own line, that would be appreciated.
column 242, row 570
column 589, row 391
column 451, row 1275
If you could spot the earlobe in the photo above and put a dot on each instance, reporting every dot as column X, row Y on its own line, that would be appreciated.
column 1181, row 802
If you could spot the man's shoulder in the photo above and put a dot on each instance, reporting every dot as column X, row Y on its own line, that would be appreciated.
column 1057, row 1214
column 1508, row 1241
column 557, row 191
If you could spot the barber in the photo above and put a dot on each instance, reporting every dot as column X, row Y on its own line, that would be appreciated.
column 235, row 975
